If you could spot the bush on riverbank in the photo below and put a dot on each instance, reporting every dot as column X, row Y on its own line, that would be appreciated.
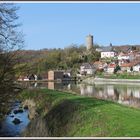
column 65, row 114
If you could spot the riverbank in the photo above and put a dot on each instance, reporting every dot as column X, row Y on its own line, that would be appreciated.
column 65, row 114
column 93, row 80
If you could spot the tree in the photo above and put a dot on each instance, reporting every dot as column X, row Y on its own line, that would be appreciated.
column 93, row 55
column 131, row 69
column 117, row 68
column 10, row 42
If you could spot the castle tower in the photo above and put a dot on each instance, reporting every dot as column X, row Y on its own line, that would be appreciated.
column 89, row 42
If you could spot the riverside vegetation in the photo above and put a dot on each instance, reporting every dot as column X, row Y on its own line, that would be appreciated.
column 64, row 114
column 124, row 75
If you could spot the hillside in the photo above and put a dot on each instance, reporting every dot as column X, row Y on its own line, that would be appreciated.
column 39, row 61
column 31, row 55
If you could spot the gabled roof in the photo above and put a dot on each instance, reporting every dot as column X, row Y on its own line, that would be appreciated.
column 98, row 63
column 105, row 49
column 124, row 48
column 87, row 65
column 121, row 54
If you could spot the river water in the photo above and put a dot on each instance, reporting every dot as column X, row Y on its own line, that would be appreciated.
column 127, row 94
column 8, row 128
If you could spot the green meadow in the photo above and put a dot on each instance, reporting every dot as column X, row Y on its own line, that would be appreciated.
column 67, row 114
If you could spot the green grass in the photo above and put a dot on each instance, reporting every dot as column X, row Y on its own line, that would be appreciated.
column 73, row 115
column 119, row 76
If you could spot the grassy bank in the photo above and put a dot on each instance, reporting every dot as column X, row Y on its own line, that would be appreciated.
column 119, row 76
column 67, row 114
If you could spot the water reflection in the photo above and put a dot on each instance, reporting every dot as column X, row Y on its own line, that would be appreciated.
column 126, row 94
column 49, row 85
column 123, row 94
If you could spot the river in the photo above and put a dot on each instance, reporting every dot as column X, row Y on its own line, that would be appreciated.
column 15, row 121
column 126, row 94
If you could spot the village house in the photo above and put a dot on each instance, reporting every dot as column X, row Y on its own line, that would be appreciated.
column 136, row 67
column 21, row 78
column 28, row 77
column 100, row 65
column 137, row 56
column 67, row 74
column 126, row 67
column 132, row 66
column 108, row 54
column 55, row 75
column 110, row 68
column 125, row 57
column 25, row 78
column 87, row 69
column 44, row 76
column 32, row 77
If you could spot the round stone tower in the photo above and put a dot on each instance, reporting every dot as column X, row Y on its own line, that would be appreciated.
column 89, row 42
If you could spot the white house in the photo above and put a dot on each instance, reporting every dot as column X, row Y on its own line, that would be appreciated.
column 87, row 68
column 126, row 56
column 108, row 54
column 67, row 73
column 136, row 67
column 26, row 79
column 126, row 67
column 110, row 68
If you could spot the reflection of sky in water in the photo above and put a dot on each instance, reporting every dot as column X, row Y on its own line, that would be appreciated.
column 8, row 128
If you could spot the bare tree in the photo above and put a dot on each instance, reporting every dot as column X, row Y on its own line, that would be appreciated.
column 11, row 40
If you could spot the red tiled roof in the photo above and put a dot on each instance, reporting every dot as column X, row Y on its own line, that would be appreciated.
column 127, row 64
column 111, row 65
column 98, row 63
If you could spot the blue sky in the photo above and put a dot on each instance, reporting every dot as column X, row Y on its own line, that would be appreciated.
column 58, row 25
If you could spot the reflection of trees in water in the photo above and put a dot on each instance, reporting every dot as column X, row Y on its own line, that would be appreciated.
column 128, row 95
column 88, row 90
column 116, row 93
column 131, row 94
column 134, row 99
column 99, row 88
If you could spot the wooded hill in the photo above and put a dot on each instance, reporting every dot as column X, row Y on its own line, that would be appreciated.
column 40, row 61
column 71, row 57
